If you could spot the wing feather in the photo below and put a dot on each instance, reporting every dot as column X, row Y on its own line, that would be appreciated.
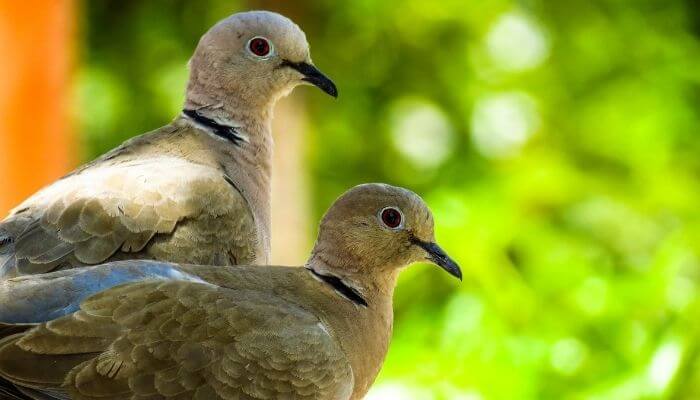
column 177, row 339
column 163, row 208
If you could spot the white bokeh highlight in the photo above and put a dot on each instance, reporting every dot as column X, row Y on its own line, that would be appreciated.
column 421, row 132
column 502, row 123
column 567, row 355
column 395, row 391
column 664, row 365
column 516, row 42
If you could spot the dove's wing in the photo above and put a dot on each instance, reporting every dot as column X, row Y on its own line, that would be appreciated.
column 159, row 207
column 40, row 298
column 180, row 340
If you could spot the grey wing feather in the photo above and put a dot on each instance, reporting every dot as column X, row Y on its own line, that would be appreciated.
column 116, row 211
column 44, row 394
column 41, row 298
column 177, row 339
column 7, row 249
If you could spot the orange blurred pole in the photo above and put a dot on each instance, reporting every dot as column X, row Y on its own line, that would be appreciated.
column 36, row 145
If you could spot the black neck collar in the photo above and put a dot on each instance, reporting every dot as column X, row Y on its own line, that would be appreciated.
column 227, row 132
column 340, row 287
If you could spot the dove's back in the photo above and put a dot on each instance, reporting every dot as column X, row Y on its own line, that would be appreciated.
column 160, row 196
column 176, row 336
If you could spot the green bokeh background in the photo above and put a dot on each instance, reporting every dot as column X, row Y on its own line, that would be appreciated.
column 556, row 141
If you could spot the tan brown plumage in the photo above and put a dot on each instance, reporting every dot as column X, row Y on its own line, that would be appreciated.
column 319, row 332
column 194, row 191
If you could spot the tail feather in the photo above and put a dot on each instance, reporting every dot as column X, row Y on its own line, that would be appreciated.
column 44, row 394
column 10, row 392
column 15, row 383
column 11, row 329
column 7, row 253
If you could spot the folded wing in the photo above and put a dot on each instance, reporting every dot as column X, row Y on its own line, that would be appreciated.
column 178, row 339
column 163, row 208
column 41, row 298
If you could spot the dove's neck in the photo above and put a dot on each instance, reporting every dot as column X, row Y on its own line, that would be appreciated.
column 368, row 283
column 234, row 108
column 241, row 140
column 327, row 258
column 364, row 330
column 363, row 333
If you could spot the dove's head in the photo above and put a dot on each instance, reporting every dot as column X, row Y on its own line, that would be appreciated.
column 378, row 227
column 257, row 57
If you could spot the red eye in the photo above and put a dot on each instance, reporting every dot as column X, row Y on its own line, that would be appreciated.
column 259, row 46
column 391, row 217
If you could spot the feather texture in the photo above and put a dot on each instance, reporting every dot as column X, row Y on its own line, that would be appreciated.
column 179, row 339
column 140, row 202
column 154, row 330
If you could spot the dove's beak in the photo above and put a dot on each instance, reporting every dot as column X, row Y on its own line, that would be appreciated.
column 315, row 77
column 437, row 255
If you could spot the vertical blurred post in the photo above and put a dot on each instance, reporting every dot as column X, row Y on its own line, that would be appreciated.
column 36, row 145
column 291, row 217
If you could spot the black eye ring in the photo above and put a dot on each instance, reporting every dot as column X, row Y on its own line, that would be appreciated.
column 391, row 217
column 260, row 47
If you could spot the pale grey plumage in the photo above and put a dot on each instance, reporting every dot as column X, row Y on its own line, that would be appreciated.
column 194, row 191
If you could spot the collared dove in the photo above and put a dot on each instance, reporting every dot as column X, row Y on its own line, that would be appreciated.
column 170, row 331
column 194, row 191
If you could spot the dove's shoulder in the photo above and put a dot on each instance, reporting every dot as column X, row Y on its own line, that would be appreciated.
column 131, row 147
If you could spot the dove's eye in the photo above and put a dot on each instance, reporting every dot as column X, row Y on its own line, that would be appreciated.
column 391, row 217
column 260, row 46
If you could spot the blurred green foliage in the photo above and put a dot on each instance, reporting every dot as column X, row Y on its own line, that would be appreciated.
column 557, row 143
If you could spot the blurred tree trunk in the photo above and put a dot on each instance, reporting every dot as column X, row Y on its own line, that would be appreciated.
column 291, row 214
column 36, row 145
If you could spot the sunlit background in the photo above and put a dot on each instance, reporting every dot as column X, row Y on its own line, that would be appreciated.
column 558, row 143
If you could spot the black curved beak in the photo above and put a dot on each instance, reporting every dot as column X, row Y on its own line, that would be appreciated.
column 313, row 76
column 438, row 256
